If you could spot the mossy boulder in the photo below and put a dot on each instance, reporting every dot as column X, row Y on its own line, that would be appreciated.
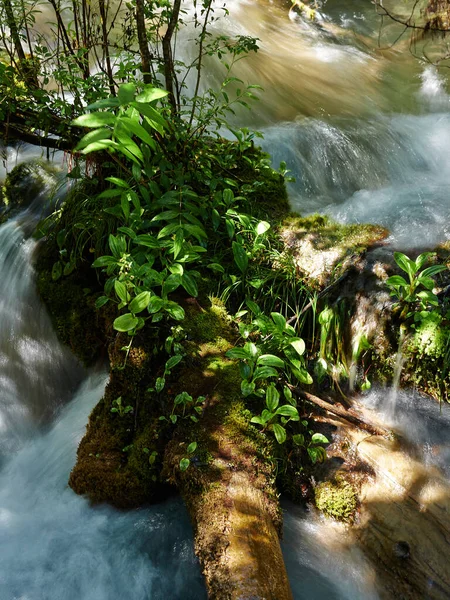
column 337, row 499
column 71, row 304
column 323, row 249
column 26, row 182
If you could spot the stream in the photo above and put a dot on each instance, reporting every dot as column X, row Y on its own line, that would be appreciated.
column 367, row 136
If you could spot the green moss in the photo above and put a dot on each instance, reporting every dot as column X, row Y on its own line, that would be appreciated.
column 337, row 500
column 208, row 324
column 329, row 234
column 71, row 304
column 431, row 337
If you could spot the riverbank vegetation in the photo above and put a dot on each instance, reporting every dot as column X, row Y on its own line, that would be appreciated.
column 175, row 256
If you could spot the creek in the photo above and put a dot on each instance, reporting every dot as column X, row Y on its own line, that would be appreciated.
column 366, row 133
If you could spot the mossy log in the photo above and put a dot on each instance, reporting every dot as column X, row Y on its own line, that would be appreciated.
column 231, row 497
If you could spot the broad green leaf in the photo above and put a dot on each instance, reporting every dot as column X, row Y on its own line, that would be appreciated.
column 247, row 388
column 272, row 397
column 264, row 373
column 270, row 360
column 252, row 349
column 121, row 291
column 148, row 241
column 171, row 284
column 176, row 268
column 288, row 395
column 302, row 375
column 216, row 267
column 405, row 263
column 117, row 244
column 127, row 231
column 99, row 146
column 136, row 129
column 428, row 297
column 167, row 215
column 94, row 136
column 191, row 448
column 196, row 231
column 299, row 346
column 397, row 280
column 150, row 94
column 125, row 322
column 258, row 420
column 178, row 243
column 96, row 119
column 317, row 454
column 433, row 270
column 280, row 433
column 168, row 230
column 298, row 439
column 230, row 228
column 155, row 304
column 262, row 227
column 155, row 120
column 173, row 361
column 125, row 204
column 126, row 93
column 238, row 353
column 240, row 256
column 245, row 370
column 215, row 218
column 101, row 301
column 318, row 438
column 184, row 463
column 140, row 302
column 118, row 182
column 253, row 307
column 189, row 284
column 427, row 282
column 287, row 410
column 111, row 102
column 422, row 259
column 228, row 196
column 159, row 384
column 174, row 310
column 279, row 321
column 104, row 261
column 127, row 146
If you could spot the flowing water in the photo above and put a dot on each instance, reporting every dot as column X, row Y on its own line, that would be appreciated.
column 366, row 132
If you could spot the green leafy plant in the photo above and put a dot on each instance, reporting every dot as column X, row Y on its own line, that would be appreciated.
column 186, row 461
column 185, row 407
column 312, row 443
column 274, row 417
column 414, row 293
column 118, row 408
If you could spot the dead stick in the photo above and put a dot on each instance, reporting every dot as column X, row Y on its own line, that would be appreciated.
column 340, row 412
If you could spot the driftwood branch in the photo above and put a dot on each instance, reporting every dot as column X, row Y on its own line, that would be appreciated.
column 340, row 412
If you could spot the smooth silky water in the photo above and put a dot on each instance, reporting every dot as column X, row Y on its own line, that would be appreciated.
column 366, row 133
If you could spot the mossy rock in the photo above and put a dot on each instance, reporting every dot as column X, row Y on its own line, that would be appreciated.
column 26, row 182
column 71, row 305
column 338, row 500
column 323, row 249
column 113, row 459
